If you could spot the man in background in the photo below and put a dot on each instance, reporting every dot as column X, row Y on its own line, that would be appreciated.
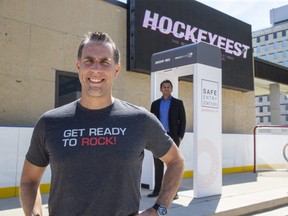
column 171, row 113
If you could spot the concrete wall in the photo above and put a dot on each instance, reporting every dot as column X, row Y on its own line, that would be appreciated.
column 39, row 37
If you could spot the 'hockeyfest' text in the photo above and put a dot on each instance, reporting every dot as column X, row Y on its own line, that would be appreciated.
column 189, row 33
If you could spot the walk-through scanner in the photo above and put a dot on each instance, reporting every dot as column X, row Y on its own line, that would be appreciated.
column 203, row 62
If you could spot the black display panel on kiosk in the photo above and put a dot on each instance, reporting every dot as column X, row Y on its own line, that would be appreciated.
column 157, row 25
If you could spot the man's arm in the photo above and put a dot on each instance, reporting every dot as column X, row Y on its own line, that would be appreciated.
column 172, row 179
column 30, row 196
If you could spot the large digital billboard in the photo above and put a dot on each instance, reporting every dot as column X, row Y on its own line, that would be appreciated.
column 158, row 25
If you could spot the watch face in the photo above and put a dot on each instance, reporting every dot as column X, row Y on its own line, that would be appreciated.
column 162, row 210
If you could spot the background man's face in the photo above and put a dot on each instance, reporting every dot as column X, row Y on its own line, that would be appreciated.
column 166, row 89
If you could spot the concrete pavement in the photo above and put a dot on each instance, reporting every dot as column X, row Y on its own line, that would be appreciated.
column 242, row 194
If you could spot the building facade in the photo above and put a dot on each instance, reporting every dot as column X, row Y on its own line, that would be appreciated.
column 263, row 109
column 39, row 42
column 271, row 44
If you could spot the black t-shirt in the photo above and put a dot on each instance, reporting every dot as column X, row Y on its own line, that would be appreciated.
column 96, row 156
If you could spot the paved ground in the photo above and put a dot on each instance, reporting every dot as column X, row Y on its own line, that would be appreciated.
column 242, row 194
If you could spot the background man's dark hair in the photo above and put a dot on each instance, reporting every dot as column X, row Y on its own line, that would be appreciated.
column 166, row 81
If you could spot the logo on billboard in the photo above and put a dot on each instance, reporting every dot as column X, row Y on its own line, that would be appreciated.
column 188, row 55
column 209, row 94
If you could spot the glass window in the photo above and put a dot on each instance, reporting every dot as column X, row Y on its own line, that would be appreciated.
column 284, row 54
column 260, row 99
column 268, row 98
column 275, row 55
column 261, row 119
column 275, row 45
column 284, row 43
column 266, row 37
column 258, row 49
column 67, row 87
column 274, row 35
column 267, row 57
column 269, row 118
column 271, row 56
column 268, row 108
column 258, row 39
column 260, row 109
column 286, row 63
column 286, row 106
column 284, row 33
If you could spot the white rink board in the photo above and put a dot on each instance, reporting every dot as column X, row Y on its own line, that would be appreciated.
column 269, row 151
column 237, row 151
column 14, row 143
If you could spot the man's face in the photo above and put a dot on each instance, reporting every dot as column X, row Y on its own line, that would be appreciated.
column 166, row 89
column 97, row 70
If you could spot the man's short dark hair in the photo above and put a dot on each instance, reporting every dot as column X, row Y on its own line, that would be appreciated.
column 100, row 38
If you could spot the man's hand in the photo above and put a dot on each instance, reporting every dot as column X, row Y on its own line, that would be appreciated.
column 148, row 212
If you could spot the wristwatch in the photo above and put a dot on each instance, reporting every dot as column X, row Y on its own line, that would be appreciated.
column 161, row 209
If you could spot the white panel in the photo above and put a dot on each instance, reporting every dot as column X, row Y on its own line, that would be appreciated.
column 15, row 142
column 186, row 148
column 269, row 150
column 8, row 156
column 147, row 177
column 237, row 150
column 207, row 179
column 23, row 145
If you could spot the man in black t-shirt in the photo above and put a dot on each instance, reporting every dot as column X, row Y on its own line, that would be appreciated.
column 95, row 146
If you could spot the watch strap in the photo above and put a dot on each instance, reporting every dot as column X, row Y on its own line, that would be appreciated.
column 156, row 206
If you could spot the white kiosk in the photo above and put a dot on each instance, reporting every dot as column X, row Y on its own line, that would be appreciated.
column 203, row 61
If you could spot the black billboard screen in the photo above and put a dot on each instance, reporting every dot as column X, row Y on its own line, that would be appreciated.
column 157, row 25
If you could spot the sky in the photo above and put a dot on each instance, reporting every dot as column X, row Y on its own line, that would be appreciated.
column 254, row 12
